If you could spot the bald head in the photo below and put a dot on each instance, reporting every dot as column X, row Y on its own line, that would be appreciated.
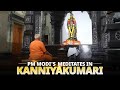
column 37, row 36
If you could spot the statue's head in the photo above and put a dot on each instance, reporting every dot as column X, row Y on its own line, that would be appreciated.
column 71, row 15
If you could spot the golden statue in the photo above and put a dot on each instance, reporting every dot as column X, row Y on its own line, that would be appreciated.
column 71, row 25
column 72, row 28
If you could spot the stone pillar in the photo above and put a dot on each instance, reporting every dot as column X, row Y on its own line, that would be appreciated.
column 29, row 31
column 37, row 23
column 52, row 24
column 94, row 27
column 104, row 35
column 33, row 25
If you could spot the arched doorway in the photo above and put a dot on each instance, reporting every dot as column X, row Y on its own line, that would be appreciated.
column 84, row 27
column 84, row 32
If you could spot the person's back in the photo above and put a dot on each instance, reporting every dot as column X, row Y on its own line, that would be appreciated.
column 38, row 51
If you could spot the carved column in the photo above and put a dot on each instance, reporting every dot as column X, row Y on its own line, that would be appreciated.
column 52, row 23
column 33, row 25
column 104, row 35
column 94, row 27
column 29, row 31
column 38, row 22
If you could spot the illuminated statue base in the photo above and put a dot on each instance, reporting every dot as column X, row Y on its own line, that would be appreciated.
column 71, row 41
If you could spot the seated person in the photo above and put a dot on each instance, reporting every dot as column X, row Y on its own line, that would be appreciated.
column 38, row 51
